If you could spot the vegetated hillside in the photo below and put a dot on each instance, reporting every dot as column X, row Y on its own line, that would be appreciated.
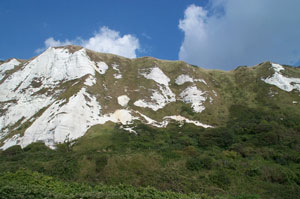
column 26, row 184
column 148, row 122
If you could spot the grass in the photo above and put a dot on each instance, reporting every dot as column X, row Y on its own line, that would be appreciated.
column 98, row 137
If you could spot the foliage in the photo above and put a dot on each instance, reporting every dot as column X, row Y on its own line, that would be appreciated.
column 255, row 155
column 26, row 184
column 197, row 163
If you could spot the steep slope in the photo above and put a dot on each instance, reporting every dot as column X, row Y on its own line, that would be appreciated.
column 58, row 95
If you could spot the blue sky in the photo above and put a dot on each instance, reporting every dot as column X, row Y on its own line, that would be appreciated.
column 210, row 33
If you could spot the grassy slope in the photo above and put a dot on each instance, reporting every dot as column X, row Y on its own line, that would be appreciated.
column 254, row 152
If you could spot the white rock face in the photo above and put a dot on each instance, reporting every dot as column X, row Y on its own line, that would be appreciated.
column 68, row 121
column 14, row 140
column 166, row 119
column 195, row 97
column 25, row 107
column 119, row 116
column 117, row 75
column 62, row 122
column 153, row 122
column 58, row 64
column 20, row 94
column 181, row 79
column 180, row 118
column 8, row 66
column 161, row 98
column 47, row 70
column 285, row 83
column 157, row 75
column 123, row 100
column 102, row 67
column 157, row 102
column 277, row 67
column 90, row 81
column 129, row 129
column 36, row 86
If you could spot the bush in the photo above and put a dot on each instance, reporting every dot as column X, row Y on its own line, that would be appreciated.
column 220, row 178
column 101, row 162
column 37, row 147
column 221, row 137
column 198, row 163
column 278, row 174
column 32, row 185
column 252, row 172
column 12, row 151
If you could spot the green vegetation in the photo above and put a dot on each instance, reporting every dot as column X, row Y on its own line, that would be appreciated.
column 253, row 153
column 256, row 155
column 26, row 184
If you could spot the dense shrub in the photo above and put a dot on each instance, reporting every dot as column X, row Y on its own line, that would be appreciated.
column 220, row 178
column 101, row 162
column 12, row 151
column 198, row 163
column 254, row 155
column 37, row 147
column 25, row 184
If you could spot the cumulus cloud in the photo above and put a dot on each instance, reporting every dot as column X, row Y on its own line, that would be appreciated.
column 229, row 33
column 110, row 41
column 51, row 42
column 105, row 40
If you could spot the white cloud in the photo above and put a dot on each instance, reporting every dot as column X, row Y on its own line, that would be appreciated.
column 51, row 42
column 109, row 41
column 106, row 41
column 229, row 33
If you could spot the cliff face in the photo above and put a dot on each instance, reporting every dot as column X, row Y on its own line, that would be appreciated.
column 60, row 94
